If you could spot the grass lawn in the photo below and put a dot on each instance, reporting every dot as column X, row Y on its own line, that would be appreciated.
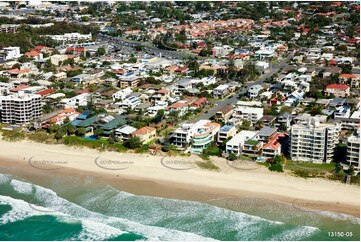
column 299, row 165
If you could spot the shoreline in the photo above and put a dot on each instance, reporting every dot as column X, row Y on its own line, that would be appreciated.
column 147, row 175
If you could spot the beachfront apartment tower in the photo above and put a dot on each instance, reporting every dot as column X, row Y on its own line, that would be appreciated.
column 20, row 108
column 204, row 136
column 314, row 142
column 353, row 150
column 195, row 136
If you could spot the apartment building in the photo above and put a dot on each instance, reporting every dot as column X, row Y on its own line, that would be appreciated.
column 224, row 113
column 129, row 81
column 199, row 135
column 248, row 113
column 353, row 151
column 10, row 53
column 226, row 132
column 71, row 37
column 20, row 108
column 75, row 102
column 206, row 132
column 314, row 142
column 9, row 28
column 235, row 145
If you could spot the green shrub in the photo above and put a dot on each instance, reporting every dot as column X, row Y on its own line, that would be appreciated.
column 208, row 165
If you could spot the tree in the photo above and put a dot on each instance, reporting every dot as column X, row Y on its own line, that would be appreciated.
column 166, row 146
column 133, row 142
column 53, row 128
column 232, row 157
column 59, row 134
column 98, row 132
column 246, row 125
column 341, row 48
column 100, row 52
column 80, row 132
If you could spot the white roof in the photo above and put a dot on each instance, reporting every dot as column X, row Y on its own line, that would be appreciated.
column 241, row 137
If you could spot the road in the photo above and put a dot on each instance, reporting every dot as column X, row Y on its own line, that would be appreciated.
column 150, row 48
column 233, row 100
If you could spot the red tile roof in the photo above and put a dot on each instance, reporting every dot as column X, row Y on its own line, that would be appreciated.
column 144, row 130
column 19, row 88
column 337, row 86
column 347, row 76
column 45, row 92
column 199, row 101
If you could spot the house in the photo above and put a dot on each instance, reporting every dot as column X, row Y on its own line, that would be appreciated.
column 59, row 76
column 254, row 90
column 75, row 102
column 224, row 113
column 248, row 113
column 145, row 134
column 183, row 85
column 339, row 90
column 268, row 120
column 160, row 95
column 129, row 102
column 181, row 107
column 266, row 133
column 57, row 59
column 199, row 103
column 105, row 122
column 10, row 53
column 235, row 145
column 337, row 102
column 273, row 147
column 221, row 51
column 124, row 132
column 60, row 116
column 122, row 94
column 129, row 81
column 221, row 91
column 252, row 148
column 350, row 79
column 342, row 112
column 284, row 119
column 226, row 132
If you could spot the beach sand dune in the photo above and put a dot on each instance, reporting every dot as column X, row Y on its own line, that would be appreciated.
column 174, row 176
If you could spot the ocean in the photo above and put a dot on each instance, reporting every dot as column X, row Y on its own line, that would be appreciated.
column 85, row 207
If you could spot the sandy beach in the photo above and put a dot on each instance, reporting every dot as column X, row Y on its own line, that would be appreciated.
column 179, row 177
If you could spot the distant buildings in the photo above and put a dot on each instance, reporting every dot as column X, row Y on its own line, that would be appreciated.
column 10, row 53
column 314, row 142
column 71, row 37
column 20, row 108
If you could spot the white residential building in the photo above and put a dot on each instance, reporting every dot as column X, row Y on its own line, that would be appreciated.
column 314, row 142
column 20, row 108
column 221, row 91
column 234, row 145
column 71, row 37
column 203, row 132
column 10, row 53
column 129, row 102
column 122, row 94
column 248, row 113
column 75, row 102
column 254, row 90
column 221, row 51
column 353, row 150
column 206, row 133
